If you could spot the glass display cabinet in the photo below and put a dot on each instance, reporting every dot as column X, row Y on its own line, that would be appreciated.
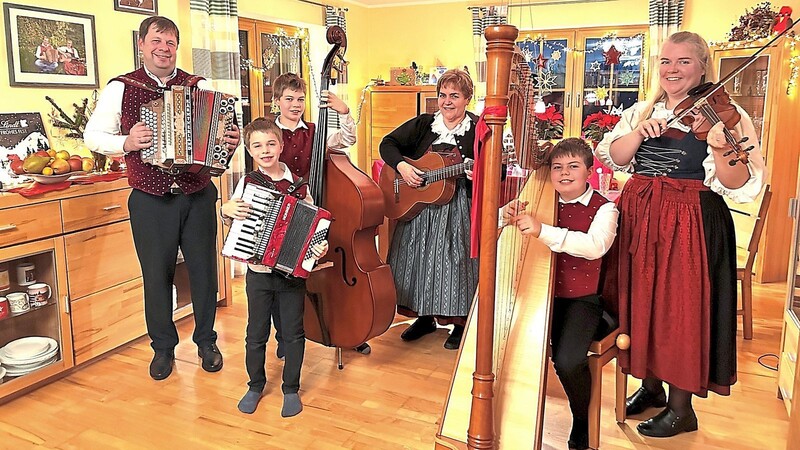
column 578, row 73
column 35, row 333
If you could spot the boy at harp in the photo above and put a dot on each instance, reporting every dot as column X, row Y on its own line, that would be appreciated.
column 289, row 93
column 586, row 228
column 264, row 143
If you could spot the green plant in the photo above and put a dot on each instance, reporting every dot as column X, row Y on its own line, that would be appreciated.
column 74, row 125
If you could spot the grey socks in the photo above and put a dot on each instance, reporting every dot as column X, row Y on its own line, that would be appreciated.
column 291, row 405
column 249, row 402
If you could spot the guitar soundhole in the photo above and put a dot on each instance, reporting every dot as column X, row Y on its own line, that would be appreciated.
column 352, row 281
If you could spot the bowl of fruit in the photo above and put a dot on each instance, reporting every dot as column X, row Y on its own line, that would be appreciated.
column 50, row 167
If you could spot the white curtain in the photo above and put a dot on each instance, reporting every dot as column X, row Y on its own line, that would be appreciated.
column 666, row 17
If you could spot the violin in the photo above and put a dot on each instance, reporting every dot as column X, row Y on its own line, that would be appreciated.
column 711, row 102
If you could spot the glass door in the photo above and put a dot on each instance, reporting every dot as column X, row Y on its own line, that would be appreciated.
column 35, row 334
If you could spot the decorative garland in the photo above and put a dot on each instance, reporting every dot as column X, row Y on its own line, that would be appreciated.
column 608, row 37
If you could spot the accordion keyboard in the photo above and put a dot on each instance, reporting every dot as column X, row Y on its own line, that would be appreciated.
column 248, row 239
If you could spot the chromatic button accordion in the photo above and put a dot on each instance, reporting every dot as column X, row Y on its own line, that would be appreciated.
column 279, row 232
column 189, row 127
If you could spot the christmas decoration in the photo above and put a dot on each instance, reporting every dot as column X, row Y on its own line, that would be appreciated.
column 783, row 20
column 627, row 78
column 544, row 81
column 550, row 123
column 556, row 55
column 598, row 124
column 612, row 55
column 754, row 24
column 594, row 66
column 541, row 62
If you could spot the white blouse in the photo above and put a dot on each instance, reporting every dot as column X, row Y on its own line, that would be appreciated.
column 446, row 135
column 631, row 118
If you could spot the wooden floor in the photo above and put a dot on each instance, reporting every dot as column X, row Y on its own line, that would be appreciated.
column 390, row 399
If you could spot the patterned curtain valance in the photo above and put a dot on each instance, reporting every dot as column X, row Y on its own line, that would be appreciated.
column 666, row 12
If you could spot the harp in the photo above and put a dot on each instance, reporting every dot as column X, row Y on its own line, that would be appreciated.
column 496, row 396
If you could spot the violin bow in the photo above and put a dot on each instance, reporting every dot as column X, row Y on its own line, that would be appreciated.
column 700, row 101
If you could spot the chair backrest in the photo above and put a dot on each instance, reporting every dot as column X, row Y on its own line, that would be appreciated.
column 749, row 223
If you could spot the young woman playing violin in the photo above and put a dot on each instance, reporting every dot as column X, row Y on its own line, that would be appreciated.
column 677, row 253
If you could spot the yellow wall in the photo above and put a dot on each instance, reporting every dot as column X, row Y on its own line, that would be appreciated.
column 113, row 33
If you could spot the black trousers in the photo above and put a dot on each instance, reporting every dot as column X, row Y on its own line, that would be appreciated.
column 263, row 291
column 160, row 225
column 575, row 322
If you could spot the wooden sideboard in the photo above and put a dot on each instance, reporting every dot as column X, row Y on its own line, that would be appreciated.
column 81, row 244
column 386, row 108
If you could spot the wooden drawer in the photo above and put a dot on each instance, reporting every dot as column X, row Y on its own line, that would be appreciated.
column 107, row 319
column 94, row 210
column 27, row 223
column 100, row 258
column 390, row 109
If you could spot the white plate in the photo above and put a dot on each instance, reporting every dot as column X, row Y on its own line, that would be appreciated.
column 18, row 373
column 13, row 364
column 52, row 348
column 53, row 179
column 27, row 347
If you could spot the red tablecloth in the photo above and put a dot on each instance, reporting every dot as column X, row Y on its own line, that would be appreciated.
column 38, row 188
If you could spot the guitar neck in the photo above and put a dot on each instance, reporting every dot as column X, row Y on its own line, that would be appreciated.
column 447, row 171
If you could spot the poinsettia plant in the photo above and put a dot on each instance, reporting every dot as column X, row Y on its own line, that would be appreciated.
column 550, row 123
column 598, row 124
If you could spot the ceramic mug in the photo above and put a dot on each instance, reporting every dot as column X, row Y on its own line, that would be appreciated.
column 4, row 308
column 39, row 294
column 18, row 302
column 26, row 274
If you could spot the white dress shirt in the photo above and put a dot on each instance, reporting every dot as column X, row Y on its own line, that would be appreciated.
column 590, row 245
column 103, row 132
column 340, row 140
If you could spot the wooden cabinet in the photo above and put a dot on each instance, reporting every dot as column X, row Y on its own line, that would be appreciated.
column 790, row 338
column 79, row 240
column 762, row 90
column 387, row 107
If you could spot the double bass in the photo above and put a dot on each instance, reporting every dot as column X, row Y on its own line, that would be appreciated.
column 353, row 299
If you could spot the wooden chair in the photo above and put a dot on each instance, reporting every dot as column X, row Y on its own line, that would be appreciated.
column 746, row 256
column 600, row 353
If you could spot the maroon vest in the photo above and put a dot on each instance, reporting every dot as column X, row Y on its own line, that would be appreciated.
column 142, row 176
column 575, row 276
column 282, row 186
column 297, row 146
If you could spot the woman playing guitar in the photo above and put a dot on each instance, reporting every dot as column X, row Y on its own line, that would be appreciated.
column 429, row 255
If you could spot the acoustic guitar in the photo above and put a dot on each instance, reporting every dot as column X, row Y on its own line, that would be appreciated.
column 403, row 202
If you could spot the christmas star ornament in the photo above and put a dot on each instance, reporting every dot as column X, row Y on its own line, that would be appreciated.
column 541, row 62
column 612, row 55
column 594, row 66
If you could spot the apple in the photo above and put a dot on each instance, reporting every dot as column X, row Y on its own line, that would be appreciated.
column 75, row 164
column 60, row 166
column 63, row 154
column 52, row 153
column 42, row 153
column 78, row 157
column 16, row 167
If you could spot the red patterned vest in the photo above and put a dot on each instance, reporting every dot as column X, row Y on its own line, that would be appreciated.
column 282, row 186
column 142, row 176
column 297, row 146
column 575, row 276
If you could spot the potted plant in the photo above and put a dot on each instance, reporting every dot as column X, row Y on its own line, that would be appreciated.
column 74, row 126
column 549, row 124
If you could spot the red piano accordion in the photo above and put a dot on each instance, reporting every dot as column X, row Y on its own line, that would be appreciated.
column 189, row 127
column 278, row 233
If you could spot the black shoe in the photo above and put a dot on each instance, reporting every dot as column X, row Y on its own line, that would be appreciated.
column 667, row 424
column 364, row 349
column 420, row 327
column 454, row 341
column 280, row 352
column 643, row 399
column 161, row 365
column 212, row 358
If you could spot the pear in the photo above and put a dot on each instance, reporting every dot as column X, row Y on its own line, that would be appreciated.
column 35, row 163
column 60, row 166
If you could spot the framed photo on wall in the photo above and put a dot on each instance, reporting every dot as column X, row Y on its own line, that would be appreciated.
column 50, row 48
column 149, row 7
column 137, row 57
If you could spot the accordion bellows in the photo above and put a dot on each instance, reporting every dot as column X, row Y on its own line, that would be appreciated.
column 278, row 233
column 189, row 127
